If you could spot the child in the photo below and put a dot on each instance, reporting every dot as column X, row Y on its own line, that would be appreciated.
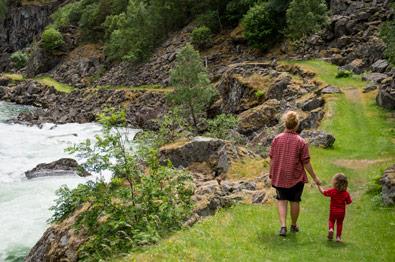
column 339, row 199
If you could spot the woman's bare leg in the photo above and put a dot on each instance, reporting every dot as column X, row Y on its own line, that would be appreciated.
column 282, row 212
column 295, row 208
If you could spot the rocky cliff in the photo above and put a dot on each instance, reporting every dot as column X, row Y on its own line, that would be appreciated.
column 22, row 25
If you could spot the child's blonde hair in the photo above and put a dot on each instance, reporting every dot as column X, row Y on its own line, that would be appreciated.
column 340, row 182
column 291, row 120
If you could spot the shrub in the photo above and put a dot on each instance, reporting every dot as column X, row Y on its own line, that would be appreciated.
column 223, row 126
column 51, row 39
column 201, row 37
column 68, row 14
column 3, row 8
column 305, row 17
column 236, row 9
column 19, row 59
column 260, row 27
column 387, row 33
column 343, row 74
column 141, row 204
column 210, row 19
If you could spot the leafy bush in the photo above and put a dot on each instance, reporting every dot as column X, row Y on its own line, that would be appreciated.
column 3, row 8
column 387, row 33
column 222, row 126
column 51, row 39
column 69, row 14
column 343, row 74
column 193, row 91
column 305, row 17
column 140, row 205
column 19, row 59
column 259, row 94
column 261, row 29
column 201, row 37
column 210, row 19
column 236, row 9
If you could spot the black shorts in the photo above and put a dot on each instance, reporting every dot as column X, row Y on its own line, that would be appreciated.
column 292, row 194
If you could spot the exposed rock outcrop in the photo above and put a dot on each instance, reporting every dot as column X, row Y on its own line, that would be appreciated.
column 318, row 138
column 143, row 107
column 61, row 167
column 388, row 186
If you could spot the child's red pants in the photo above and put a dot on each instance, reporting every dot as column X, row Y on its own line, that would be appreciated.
column 338, row 219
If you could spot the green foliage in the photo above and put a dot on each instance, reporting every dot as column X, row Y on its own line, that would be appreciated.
column 210, row 19
column 141, row 204
column 236, row 9
column 261, row 29
column 3, row 8
column 305, row 17
column 69, row 14
column 223, row 127
column 259, row 94
column 19, row 59
column 343, row 74
column 201, row 37
column 387, row 33
column 193, row 92
column 51, row 39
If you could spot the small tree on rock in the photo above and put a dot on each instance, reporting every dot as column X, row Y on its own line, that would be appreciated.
column 193, row 91
column 306, row 17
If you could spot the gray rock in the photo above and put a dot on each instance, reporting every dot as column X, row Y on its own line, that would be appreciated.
column 258, row 197
column 386, row 97
column 318, row 138
column 370, row 87
column 313, row 103
column 387, row 182
column 61, row 167
column 330, row 90
column 375, row 77
column 380, row 66
column 199, row 150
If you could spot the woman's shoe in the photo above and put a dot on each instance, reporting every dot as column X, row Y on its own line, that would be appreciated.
column 283, row 231
column 338, row 239
column 294, row 229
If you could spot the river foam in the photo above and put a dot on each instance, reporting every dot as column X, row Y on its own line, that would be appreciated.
column 24, row 203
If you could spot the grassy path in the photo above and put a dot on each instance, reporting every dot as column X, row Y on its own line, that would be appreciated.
column 363, row 149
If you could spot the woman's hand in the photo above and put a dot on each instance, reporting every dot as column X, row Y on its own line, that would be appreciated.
column 317, row 181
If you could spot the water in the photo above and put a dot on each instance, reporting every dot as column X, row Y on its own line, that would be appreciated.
column 24, row 203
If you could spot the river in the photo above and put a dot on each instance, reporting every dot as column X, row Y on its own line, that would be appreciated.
column 24, row 203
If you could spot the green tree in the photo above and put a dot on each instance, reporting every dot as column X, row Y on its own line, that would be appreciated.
column 223, row 127
column 387, row 33
column 19, row 59
column 193, row 91
column 305, row 17
column 201, row 37
column 261, row 29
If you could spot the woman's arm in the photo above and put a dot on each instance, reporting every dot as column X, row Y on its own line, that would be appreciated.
column 311, row 172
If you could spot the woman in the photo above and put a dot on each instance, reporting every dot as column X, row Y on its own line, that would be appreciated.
column 290, row 158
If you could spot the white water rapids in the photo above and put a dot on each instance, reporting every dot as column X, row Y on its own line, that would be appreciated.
column 24, row 203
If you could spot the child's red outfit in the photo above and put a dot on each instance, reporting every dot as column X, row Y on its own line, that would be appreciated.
column 339, row 200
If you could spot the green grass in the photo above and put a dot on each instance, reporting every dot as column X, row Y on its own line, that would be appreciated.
column 49, row 81
column 327, row 73
column 12, row 76
column 364, row 135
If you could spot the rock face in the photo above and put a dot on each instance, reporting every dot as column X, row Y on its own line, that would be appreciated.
column 386, row 94
column 209, row 151
column 22, row 24
column 61, row 167
column 318, row 138
column 143, row 108
column 388, row 186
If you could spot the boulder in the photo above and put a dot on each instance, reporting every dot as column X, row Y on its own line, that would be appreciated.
column 371, row 86
column 386, row 97
column 41, row 61
column 375, row 77
column 312, row 104
column 380, row 66
column 330, row 90
column 387, row 182
column 318, row 138
column 208, row 151
column 61, row 167
column 258, row 117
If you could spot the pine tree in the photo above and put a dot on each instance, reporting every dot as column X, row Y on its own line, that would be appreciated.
column 193, row 91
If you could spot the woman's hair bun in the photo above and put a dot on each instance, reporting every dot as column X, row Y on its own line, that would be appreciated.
column 291, row 120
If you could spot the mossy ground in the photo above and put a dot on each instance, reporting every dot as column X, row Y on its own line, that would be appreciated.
column 364, row 148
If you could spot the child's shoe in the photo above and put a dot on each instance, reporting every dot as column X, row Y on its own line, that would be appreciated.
column 330, row 234
column 338, row 239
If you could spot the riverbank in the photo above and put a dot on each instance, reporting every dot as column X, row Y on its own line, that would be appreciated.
column 364, row 148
